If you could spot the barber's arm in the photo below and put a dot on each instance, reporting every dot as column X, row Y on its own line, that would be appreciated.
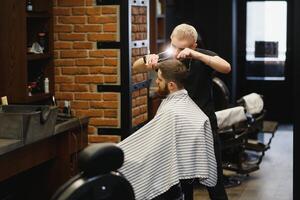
column 145, row 63
column 215, row 62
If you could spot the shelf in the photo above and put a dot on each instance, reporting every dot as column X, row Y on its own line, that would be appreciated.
column 160, row 41
column 37, row 56
column 38, row 97
column 160, row 16
column 38, row 15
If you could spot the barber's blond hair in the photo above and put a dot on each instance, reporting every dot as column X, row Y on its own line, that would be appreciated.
column 185, row 31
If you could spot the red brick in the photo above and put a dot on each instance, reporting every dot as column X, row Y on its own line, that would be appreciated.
column 57, row 71
column 143, row 100
column 72, row 36
column 93, row 11
column 93, row 88
column 138, row 120
column 111, row 62
column 104, row 122
column 89, row 79
column 64, row 79
column 144, row 109
column 102, row 37
column 72, row 20
column 64, row 62
column 110, row 113
column 61, row 11
column 87, row 28
column 109, row 70
column 74, row 88
column 133, row 103
column 104, row 104
column 109, row 27
column 55, row 36
column 135, row 10
column 62, row 45
column 56, row 54
column 142, row 10
column 70, row 2
column 103, row 53
column 89, row 113
column 109, row 10
column 75, row 70
column 80, row 104
column 101, row 19
column 64, row 95
column 110, row 79
column 135, row 94
column 73, row 54
column 92, row 130
column 135, row 111
column 56, row 88
column 143, row 91
column 78, row 11
column 95, row 70
column 83, row 45
column 90, row 2
column 88, row 96
column 110, row 97
column 89, row 62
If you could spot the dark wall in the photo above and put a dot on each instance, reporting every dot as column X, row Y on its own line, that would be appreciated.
column 213, row 20
column 278, row 95
column 296, row 91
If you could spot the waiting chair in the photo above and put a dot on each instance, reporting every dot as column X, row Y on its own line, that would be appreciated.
column 98, row 179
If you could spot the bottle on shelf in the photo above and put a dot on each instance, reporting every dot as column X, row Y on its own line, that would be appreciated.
column 46, row 85
column 29, row 6
column 67, row 108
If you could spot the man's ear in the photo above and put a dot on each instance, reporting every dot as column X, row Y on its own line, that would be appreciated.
column 172, row 86
column 194, row 45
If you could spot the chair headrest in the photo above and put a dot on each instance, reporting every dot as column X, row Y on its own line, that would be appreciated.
column 100, row 159
column 221, row 94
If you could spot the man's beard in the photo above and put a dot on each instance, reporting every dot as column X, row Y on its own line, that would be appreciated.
column 162, row 93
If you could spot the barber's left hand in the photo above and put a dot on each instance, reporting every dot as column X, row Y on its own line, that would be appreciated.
column 185, row 53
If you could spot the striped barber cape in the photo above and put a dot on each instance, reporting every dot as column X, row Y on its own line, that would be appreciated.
column 176, row 144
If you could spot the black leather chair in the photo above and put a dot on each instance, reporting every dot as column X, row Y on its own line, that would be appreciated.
column 98, row 179
column 233, row 139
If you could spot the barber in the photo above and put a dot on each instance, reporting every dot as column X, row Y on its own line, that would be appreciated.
column 201, row 63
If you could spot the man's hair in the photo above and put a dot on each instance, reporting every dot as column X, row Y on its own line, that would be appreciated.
column 185, row 31
column 173, row 70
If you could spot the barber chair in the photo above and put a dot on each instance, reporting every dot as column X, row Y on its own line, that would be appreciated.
column 236, row 141
column 233, row 140
column 98, row 178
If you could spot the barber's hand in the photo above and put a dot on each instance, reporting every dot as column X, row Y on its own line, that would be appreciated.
column 185, row 53
column 151, row 61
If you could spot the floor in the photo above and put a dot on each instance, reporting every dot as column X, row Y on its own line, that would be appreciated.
column 274, row 179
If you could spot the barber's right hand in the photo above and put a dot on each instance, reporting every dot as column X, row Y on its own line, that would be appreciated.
column 151, row 61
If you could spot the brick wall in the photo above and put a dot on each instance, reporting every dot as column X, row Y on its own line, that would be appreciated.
column 80, row 66
column 139, row 97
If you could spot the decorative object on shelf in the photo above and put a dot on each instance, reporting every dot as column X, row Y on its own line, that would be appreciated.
column 36, row 48
column 4, row 100
column 67, row 108
column 29, row 6
column 46, row 85
column 29, row 90
column 158, row 7
column 42, row 40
